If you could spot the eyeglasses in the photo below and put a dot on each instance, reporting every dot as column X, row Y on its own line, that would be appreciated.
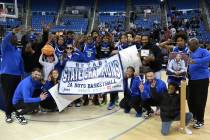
column 69, row 48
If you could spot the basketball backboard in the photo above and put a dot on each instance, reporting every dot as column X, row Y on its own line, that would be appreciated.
column 9, row 10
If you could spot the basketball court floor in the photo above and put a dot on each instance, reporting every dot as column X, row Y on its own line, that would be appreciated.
column 96, row 123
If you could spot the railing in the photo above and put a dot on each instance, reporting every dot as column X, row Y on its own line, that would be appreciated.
column 27, row 16
column 60, row 12
column 93, row 22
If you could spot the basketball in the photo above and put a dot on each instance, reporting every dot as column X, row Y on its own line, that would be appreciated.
column 48, row 50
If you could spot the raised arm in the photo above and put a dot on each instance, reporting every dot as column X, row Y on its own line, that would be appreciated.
column 204, row 59
column 6, row 41
column 41, row 60
column 166, row 44
column 56, row 59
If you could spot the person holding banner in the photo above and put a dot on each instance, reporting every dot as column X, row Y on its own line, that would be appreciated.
column 132, row 96
column 104, row 49
column 12, row 68
column 23, row 99
column 123, row 44
column 198, row 81
column 90, row 55
column 150, row 91
column 151, row 57
column 177, row 67
column 180, row 42
column 49, row 103
column 71, row 53
column 59, row 51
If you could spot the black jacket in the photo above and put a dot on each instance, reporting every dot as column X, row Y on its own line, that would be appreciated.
column 156, row 52
column 169, row 106
column 104, row 50
column 32, row 60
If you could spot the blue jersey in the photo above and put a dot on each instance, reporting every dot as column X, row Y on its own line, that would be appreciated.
column 185, row 50
column 89, row 52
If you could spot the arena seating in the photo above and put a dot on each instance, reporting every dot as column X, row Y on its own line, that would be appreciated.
column 10, row 23
column 146, row 23
column 43, row 14
column 113, row 21
column 73, row 24
column 37, row 21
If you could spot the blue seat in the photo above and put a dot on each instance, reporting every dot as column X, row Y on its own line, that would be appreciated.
column 73, row 24
column 37, row 21
column 112, row 21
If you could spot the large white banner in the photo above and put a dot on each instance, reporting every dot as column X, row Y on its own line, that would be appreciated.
column 100, row 76
column 62, row 101
column 130, row 57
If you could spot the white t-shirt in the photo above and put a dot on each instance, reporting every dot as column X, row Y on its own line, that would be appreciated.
column 129, row 83
column 47, row 67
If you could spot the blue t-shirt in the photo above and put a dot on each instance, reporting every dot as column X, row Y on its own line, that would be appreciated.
column 199, row 70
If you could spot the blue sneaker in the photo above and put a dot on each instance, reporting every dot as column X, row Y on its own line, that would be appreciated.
column 138, row 115
column 127, row 110
column 111, row 106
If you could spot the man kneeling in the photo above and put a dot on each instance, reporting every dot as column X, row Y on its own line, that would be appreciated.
column 170, row 109
column 23, row 99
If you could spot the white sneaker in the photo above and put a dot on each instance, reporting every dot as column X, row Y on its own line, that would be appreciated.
column 78, row 104
column 188, row 131
column 21, row 119
column 8, row 119
column 198, row 125
column 157, row 112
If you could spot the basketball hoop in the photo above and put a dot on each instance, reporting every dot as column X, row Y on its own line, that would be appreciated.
column 3, row 15
column 8, row 10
